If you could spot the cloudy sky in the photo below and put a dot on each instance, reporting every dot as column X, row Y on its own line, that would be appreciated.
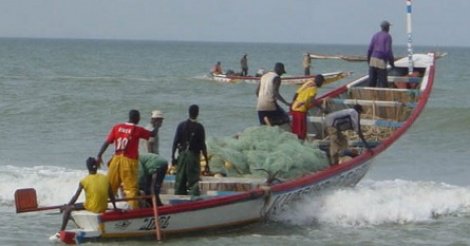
column 436, row 23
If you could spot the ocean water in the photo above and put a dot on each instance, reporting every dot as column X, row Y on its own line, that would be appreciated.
column 59, row 98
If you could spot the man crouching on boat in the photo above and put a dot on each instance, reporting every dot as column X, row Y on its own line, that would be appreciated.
column 97, row 191
column 339, row 121
column 152, row 170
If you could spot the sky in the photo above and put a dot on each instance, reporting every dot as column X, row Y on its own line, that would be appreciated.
column 436, row 23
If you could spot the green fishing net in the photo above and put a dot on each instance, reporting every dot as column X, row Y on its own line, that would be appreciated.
column 259, row 151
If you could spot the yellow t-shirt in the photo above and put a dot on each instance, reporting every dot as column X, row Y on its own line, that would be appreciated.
column 96, row 192
column 304, row 96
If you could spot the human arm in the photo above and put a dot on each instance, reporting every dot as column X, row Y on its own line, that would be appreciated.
column 175, row 145
column 150, row 144
column 370, row 49
column 76, row 195
column 103, row 148
column 361, row 135
column 388, row 44
column 154, row 182
column 204, row 151
column 152, row 140
column 277, row 95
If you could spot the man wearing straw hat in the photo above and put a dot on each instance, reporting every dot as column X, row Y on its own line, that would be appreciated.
column 156, row 121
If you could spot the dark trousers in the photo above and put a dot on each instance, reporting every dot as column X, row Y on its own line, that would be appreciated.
column 187, row 174
column 276, row 117
column 378, row 77
column 307, row 71
column 244, row 71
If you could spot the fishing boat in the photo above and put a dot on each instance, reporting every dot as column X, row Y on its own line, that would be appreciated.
column 360, row 58
column 232, row 201
column 286, row 80
column 235, row 201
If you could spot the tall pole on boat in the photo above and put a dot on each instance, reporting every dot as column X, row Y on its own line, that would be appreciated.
column 408, row 30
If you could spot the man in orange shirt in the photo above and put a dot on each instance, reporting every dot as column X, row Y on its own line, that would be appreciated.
column 123, row 166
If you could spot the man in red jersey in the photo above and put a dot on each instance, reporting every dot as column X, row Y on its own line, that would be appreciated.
column 123, row 166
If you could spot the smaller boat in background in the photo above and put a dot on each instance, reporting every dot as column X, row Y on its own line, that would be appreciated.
column 358, row 58
column 286, row 80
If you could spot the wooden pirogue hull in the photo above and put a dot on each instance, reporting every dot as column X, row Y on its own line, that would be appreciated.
column 394, row 111
column 221, row 211
column 286, row 80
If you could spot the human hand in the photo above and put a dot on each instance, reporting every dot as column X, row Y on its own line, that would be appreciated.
column 207, row 171
column 99, row 161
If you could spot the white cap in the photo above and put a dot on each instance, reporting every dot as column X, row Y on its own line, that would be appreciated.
column 157, row 114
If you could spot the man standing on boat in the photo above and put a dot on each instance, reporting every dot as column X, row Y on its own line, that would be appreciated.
column 123, row 166
column 269, row 112
column 156, row 122
column 190, row 141
column 97, row 191
column 307, row 63
column 339, row 121
column 244, row 65
column 379, row 55
column 301, row 103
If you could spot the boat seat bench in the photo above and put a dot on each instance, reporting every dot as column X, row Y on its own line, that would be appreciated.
column 405, row 79
column 367, row 122
column 372, row 102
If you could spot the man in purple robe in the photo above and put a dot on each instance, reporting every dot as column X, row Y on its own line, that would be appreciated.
column 379, row 55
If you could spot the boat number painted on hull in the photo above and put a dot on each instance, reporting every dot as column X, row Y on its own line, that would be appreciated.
column 149, row 223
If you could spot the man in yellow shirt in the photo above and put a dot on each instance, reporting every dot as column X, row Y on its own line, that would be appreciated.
column 302, row 102
column 97, row 191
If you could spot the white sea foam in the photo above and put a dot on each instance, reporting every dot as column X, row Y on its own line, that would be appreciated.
column 381, row 202
column 53, row 185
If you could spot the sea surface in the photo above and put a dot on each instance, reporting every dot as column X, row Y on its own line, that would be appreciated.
column 59, row 98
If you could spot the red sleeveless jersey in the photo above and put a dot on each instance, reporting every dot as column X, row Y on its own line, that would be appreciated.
column 125, row 137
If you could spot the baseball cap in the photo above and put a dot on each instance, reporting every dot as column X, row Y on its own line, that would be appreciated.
column 279, row 68
column 384, row 23
column 157, row 114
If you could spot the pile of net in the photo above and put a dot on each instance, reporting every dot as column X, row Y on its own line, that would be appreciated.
column 259, row 151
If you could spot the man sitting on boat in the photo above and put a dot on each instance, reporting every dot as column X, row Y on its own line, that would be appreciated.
column 339, row 121
column 217, row 68
column 97, row 192
column 269, row 112
column 152, row 170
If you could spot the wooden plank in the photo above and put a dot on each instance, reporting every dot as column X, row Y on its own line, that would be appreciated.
column 372, row 102
column 366, row 122
column 405, row 79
